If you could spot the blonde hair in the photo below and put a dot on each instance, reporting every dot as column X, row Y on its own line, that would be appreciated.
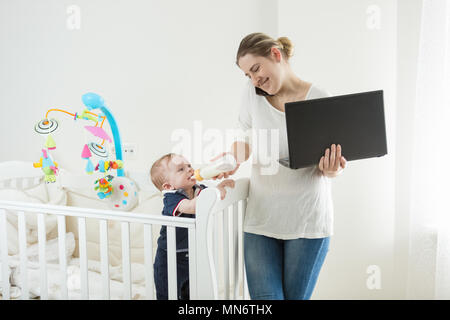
column 260, row 44
column 158, row 169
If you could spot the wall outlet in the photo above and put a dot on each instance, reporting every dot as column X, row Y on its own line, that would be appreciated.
column 129, row 151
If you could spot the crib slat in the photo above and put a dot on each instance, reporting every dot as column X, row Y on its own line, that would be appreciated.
column 240, row 250
column 62, row 256
column 42, row 258
column 126, row 260
column 83, row 258
column 226, row 255
column 231, row 250
column 171, row 263
column 148, row 254
column 235, row 251
column 217, row 237
column 104, row 258
column 23, row 254
column 192, row 264
column 4, row 251
column 244, row 275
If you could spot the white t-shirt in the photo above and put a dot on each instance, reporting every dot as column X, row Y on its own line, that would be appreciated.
column 282, row 203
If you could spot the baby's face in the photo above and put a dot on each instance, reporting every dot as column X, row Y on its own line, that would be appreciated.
column 180, row 173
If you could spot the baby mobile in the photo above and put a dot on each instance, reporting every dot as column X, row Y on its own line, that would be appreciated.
column 120, row 190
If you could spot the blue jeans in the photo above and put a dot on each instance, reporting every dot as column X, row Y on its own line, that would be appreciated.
column 283, row 269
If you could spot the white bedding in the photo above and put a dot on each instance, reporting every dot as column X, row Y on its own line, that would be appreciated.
column 35, row 194
column 73, row 275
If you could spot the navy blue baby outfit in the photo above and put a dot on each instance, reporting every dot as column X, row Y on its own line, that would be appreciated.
column 172, row 201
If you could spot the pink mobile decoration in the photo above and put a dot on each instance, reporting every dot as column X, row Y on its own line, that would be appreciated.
column 98, row 132
column 86, row 152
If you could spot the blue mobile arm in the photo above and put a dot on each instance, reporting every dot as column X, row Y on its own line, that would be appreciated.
column 94, row 101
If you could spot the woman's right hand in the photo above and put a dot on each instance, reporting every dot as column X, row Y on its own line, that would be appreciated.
column 228, row 173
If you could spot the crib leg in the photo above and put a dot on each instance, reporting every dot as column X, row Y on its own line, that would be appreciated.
column 42, row 238
column 192, row 264
column 171, row 263
column 148, row 253
column 104, row 258
column 23, row 254
column 62, row 255
column 4, row 250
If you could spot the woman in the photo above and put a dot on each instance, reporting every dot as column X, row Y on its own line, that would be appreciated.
column 289, row 215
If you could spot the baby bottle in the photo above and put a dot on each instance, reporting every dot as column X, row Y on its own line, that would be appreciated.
column 223, row 164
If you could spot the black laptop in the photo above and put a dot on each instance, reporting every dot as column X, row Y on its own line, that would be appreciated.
column 355, row 121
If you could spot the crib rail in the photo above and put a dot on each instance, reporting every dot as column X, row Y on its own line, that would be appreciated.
column 222, row 258
column 103, row 216
column 216, row 265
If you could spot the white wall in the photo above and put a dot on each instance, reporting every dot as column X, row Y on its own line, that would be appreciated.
column 337, row 49
column 162, row 65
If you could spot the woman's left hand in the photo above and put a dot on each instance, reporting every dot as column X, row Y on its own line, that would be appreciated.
column 332, row 163
column 221, row 186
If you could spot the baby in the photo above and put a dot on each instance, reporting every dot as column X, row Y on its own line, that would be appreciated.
column 174, row 176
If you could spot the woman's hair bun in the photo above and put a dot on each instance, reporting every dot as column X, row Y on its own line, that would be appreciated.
column 286, row 45
column 260, row 44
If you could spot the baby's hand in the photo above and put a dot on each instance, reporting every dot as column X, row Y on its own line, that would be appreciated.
column 221, row 186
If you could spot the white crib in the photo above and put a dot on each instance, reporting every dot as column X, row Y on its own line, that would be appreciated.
column 216, row 264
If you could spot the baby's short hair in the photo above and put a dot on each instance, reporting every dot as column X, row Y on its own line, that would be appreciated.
column 158, row 170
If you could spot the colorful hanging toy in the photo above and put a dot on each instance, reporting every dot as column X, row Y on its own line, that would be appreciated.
column 104, row 186
column 121, row 191
column 49, row 167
